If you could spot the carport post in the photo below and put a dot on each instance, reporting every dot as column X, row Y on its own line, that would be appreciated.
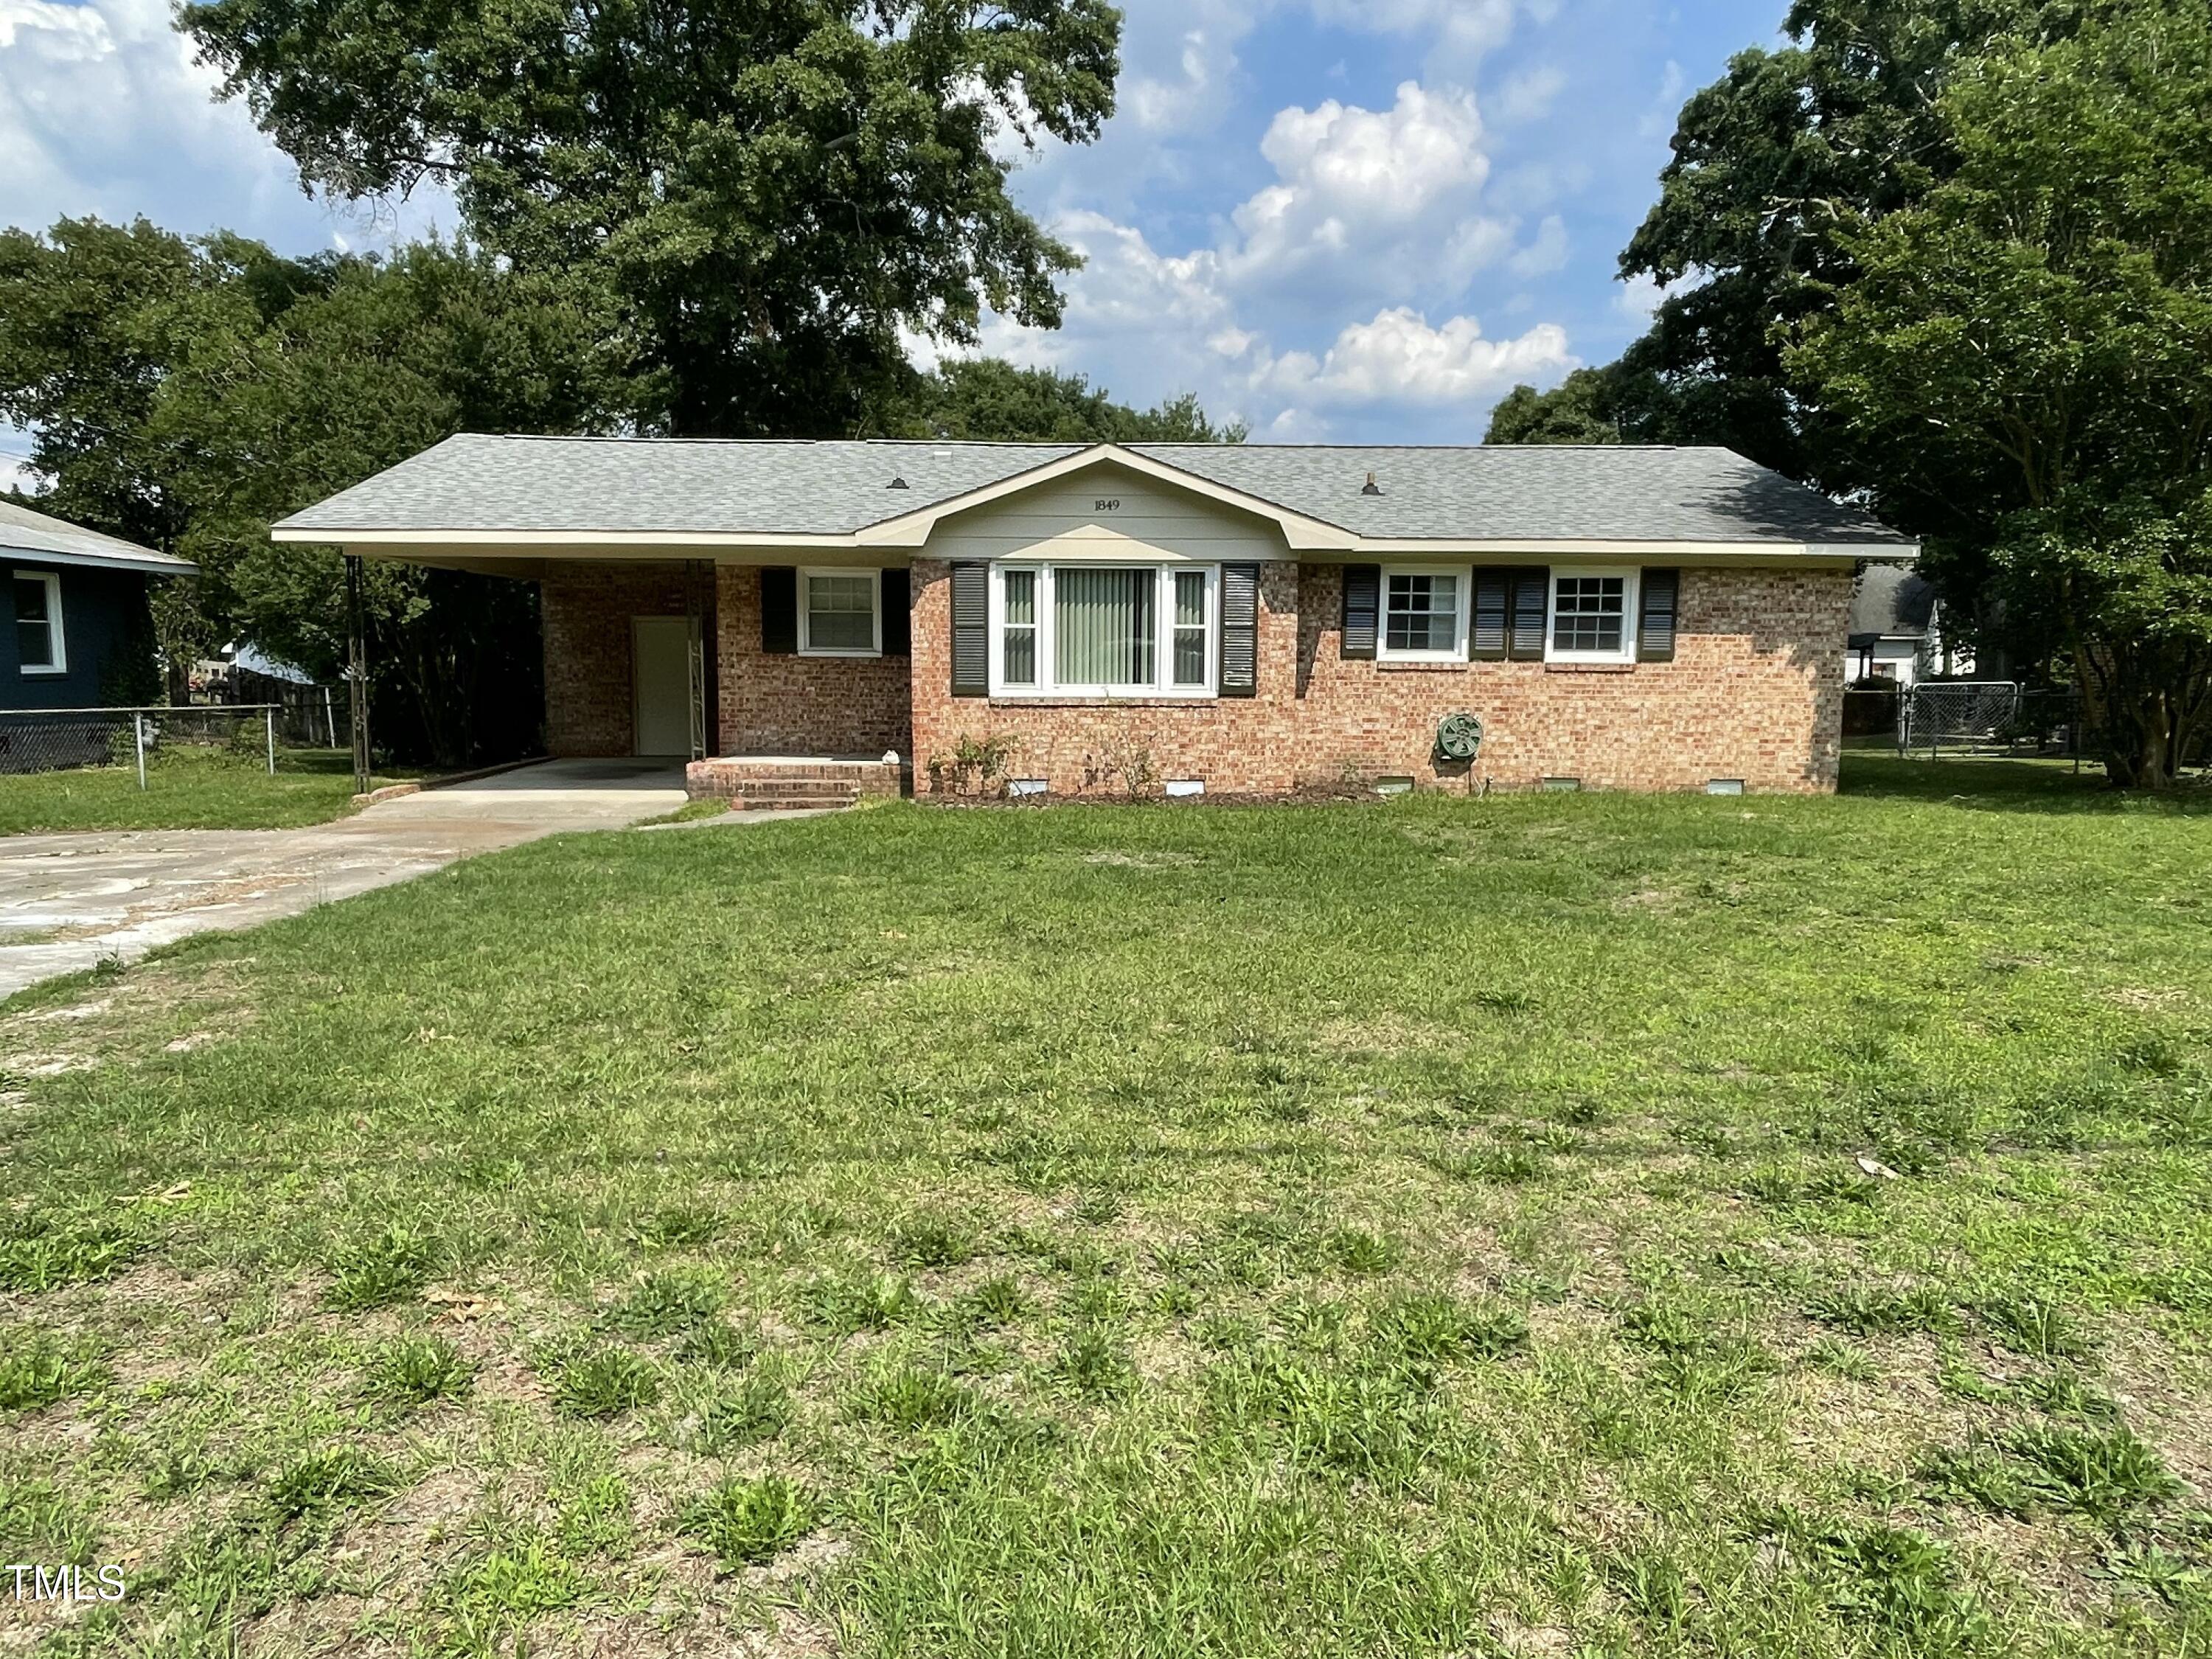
column 356, row 675
column 270, row 714
column 138, row 738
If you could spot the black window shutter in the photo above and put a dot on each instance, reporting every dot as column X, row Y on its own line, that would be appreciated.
column 1493, row 592
column 897, row 600
column 1362, row 598
column 779, row 610
column 1240, row 630
column 971, row 631
column 1654, row 627
column 1532, row 596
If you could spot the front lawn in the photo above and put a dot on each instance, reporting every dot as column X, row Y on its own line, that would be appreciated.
column 1535, row 1225
column 186, row 789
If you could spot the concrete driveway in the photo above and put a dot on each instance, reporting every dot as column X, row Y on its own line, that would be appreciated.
column 68, row 901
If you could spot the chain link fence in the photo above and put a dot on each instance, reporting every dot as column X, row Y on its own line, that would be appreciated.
column 59, row 739
column 1963, row 719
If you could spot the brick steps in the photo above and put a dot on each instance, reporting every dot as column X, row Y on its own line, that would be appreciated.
column 768, row 783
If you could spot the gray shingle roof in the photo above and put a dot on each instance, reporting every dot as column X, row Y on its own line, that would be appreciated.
column 1891, row 599
column 56, row 541
column 476, row 482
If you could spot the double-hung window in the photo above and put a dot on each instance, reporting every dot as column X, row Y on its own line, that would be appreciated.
column 1593, row 616
column 1104, row 630
column 840, row 613
column 1423, row 615
column 39, row 645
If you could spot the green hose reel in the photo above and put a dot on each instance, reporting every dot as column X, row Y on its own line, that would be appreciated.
column 1459, row 737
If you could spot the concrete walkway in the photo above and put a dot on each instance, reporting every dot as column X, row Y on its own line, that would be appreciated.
column 69, row 901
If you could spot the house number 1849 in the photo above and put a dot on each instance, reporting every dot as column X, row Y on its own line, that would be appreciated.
column 1107, row 504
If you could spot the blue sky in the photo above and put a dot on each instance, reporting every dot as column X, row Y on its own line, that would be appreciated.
column 1360, row 220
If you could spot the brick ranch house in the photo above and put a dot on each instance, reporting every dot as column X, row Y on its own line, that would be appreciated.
column 1232, row 618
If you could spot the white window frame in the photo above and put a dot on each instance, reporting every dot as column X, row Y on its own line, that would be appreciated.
column 1162, row 686
column 1462, row 585
column 807, row 647
column 59, row 642
column 1631, row 613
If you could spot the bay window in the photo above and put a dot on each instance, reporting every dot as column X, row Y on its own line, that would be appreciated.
column 1104, row 630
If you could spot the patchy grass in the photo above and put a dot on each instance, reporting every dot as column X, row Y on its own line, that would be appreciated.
column 1520, row 1226
column 188, row 788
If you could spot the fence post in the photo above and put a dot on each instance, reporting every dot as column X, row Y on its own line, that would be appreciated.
column 330, row 718
column 270, row 715
column 138, row 735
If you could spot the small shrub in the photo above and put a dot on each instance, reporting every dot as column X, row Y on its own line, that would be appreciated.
column 324, row 1480
column 380, row 1269
column 756, row 1410
column 419, row 1369
column 603, row 1382
column 746, row 1522
column 37, row 1371
column 662, row 1303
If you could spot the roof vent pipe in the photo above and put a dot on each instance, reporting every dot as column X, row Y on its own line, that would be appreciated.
column 896, row 484
column 1371, row 488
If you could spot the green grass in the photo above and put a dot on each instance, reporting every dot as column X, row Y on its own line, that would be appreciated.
column 1431, row 1227
column 187, row 789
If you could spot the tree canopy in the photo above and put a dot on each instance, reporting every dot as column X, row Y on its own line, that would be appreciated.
column 2030, row 346
column 186, row 392
column 984, row 398
column 768, row 191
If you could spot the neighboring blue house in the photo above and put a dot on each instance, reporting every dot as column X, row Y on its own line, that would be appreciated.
column 75, row 610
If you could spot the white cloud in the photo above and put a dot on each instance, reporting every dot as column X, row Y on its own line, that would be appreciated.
column 1369, row 199
column 1546, row 254
column 1527, row 94
column 1639, row 296
column 1399, row 358
column 104, row 111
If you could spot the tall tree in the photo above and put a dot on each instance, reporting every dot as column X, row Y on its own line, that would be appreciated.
column 187, row 393
column 984, row 398
column 1580, row 409
column 771, row 190
column 1770, row 162
column 2030, row 346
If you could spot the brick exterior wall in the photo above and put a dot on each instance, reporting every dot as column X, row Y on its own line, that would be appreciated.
column 791, row 705
column 1755, row 692
column 586, row 611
